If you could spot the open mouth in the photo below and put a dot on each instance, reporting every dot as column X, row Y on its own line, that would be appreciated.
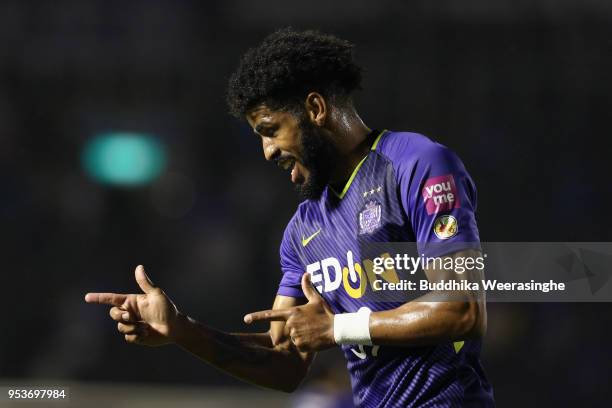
column 286, row 163
column 290, row 164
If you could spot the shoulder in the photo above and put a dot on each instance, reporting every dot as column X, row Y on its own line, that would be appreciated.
column 407, row 150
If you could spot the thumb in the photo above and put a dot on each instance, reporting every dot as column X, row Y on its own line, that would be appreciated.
column 309, row 291
column 143, row 280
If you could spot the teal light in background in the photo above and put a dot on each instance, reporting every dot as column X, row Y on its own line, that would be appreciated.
column 124, row 158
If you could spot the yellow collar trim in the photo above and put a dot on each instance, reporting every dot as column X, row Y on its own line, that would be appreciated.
column 354, row 173
column 377, row 140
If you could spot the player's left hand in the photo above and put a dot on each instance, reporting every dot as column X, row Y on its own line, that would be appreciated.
column 149, row 318
column 310, row 326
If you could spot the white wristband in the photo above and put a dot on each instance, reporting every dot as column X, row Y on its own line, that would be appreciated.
column 353, row 328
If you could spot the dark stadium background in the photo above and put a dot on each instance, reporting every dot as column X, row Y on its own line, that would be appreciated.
column 519, row 89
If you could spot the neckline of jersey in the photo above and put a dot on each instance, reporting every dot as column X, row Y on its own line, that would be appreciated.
column 354, row 173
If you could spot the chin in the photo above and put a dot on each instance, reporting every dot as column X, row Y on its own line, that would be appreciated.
column 310, row 190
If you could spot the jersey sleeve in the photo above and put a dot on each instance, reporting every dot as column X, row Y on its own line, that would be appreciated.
column 291, row 267
column 439, row 197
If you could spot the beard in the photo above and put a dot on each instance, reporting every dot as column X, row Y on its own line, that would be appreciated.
column 318, row 154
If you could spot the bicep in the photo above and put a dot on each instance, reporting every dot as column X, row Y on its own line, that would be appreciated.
column 464, row 271
column 466, row 260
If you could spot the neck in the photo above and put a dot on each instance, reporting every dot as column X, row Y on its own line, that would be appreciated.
column 352, row 144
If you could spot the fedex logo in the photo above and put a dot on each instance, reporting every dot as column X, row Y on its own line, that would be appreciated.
column 330, row 274
column 440, row 194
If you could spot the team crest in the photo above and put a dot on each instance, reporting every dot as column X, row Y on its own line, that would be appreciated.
column 370, row 217
column 445, row 226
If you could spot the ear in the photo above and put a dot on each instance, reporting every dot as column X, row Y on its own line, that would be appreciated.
column 316, row 107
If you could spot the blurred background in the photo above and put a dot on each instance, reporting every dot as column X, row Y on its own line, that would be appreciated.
column 116, row 149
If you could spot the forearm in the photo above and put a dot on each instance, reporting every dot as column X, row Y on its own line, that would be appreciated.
column 251, row 357
column 428, row 320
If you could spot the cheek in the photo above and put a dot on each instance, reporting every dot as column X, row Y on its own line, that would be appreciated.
column 290, row 142
column 289, row 134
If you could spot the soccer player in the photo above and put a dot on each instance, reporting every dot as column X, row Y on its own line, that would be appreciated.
column 359, row 186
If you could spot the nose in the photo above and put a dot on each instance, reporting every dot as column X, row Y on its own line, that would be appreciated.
column 270, row 150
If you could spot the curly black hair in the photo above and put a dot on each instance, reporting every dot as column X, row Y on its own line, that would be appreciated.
column 289, row 64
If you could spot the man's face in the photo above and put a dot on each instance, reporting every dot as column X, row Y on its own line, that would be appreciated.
column 296, row 145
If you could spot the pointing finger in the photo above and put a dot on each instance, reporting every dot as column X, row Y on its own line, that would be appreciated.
column 143, row 280
column 114, row 299
column 268, row 316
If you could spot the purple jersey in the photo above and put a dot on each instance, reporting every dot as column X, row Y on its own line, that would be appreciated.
column 407, row 189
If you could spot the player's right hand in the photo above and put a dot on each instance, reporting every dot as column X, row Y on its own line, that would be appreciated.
column 147, row 319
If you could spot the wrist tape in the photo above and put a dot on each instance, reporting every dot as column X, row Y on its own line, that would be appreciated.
column 353, row 328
